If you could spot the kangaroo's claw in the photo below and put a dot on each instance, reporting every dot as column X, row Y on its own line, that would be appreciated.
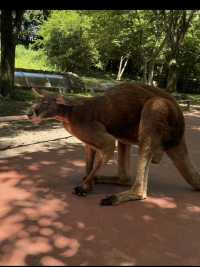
column 111, row 200
column 80, row 191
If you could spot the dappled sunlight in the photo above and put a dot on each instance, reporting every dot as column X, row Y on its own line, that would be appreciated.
column 24, row 247
column 80, row 225
column 79, row 163
column 116, row 256
column 162, row 202
column 51, row 261
column 10, row 226
column 127, row 264
column 61, row 241
column 196, row 128
column 72, row 247
column 193, row 209
column 46, row 162
column 43, row 223
column 31, row 214
column 90, row 238
column 195, row 114
column 34, row 167
column 147, row 218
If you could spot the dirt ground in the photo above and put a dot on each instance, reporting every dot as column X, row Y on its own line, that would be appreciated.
column 42, row 223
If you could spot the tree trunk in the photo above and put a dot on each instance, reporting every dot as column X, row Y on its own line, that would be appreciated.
column 145, row 72
column 122, row 66
column 177, row 23
column 10, row 26
column 7, row 53
column 119, row 70
column 151, row 73
column 172, row 76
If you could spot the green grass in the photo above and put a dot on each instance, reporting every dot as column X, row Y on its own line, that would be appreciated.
column 195, row 99
column 19, row 105
column 99, row 83
column 13, row 107
column 31, row 59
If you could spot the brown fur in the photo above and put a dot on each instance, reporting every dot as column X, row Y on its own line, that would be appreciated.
column 132, row 114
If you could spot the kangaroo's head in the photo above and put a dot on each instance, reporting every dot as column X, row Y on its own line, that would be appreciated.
column 48, row 106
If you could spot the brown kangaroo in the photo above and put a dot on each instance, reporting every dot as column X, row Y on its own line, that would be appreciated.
column 131, row 114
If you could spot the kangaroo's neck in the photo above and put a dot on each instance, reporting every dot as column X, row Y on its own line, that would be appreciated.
column 63, row 113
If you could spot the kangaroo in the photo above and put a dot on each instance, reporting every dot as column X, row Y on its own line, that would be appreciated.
column 131, row 113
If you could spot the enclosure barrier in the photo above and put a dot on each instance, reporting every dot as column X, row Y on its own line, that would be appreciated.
column 13, row 118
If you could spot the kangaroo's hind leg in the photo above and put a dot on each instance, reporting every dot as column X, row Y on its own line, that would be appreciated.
column 150, row 143
column 138, row 190
column 124, row 154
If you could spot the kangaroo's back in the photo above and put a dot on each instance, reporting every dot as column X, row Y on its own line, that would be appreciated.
column 120, row 109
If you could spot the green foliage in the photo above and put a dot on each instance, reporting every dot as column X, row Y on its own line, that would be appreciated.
column 86, row 41
column 65, row 41
column 31, row 59
column 189, row 54
column 32, row 20
column 18, row 105
column 112, row 34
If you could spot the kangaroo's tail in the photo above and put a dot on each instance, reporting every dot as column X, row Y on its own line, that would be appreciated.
column 180, row 157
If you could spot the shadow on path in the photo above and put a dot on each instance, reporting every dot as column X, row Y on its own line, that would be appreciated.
column 43, row 223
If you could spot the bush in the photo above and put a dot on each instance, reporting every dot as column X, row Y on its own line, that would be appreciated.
column 31, row 59
column 66, row 42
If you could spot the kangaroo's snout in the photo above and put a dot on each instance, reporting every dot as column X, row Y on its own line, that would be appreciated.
column 30, row 113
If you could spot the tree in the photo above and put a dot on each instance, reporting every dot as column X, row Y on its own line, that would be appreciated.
column 151, row 40
column 10, row 26
column 31, row 23
column 177, row 22
column 127, row 35
column 65, row 40
column 189, row 54
column 111, row 32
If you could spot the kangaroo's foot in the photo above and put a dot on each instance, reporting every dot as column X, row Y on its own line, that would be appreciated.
column 82, row 190
column 157, row 157
column 122, row 197
column 118, row 180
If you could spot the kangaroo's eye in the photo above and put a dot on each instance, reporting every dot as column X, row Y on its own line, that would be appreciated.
column 36, row 112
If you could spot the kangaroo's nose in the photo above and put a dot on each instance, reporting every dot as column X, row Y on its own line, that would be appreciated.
column 30, row 113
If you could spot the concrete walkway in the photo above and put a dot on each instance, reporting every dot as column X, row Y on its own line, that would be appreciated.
column 43, row 223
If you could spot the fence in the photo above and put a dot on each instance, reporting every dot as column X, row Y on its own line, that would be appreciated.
column 43, row 79
column 190, row 86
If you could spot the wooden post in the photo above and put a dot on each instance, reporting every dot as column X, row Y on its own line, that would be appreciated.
column 188, row 104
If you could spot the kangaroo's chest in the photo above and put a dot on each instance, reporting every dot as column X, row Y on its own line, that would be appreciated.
column 78, row 131
column 68, row 127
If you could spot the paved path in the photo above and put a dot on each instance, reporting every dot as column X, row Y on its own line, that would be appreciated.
column 43, row 223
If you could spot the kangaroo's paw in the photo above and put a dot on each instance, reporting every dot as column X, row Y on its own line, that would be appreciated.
column 121, row 197
column 80, row 191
